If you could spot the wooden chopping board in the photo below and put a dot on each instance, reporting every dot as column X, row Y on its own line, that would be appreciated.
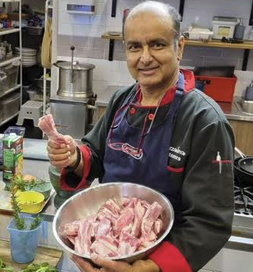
column 49, row 255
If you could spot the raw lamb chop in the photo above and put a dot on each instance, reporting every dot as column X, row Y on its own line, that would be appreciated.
column 47, row 125
column 121, row 227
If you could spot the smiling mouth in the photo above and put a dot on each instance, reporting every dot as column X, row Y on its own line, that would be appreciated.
column 147, row 69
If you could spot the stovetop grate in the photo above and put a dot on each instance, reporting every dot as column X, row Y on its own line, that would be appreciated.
column 243, row 197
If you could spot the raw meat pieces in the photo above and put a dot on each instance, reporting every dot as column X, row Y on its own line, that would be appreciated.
column 47, row 125
column 121, row 227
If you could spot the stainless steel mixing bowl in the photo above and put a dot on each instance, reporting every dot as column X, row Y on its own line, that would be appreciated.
column 88, row 202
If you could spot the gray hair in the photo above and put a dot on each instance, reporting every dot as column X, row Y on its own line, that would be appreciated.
column 159, row 8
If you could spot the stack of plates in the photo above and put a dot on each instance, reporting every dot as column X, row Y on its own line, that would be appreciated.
column 29, row 56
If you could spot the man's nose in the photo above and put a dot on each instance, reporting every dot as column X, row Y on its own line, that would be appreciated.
column 146, row 56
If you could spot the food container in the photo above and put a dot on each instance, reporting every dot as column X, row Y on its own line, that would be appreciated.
column 10, row 78
column 34, row 30
column 30, row 202
column 12, row 156
column 88, row 202
column 221, row 89
column 40, row 187
column 10, row 105
column 15, row 129
column 24, row 243
column 203, row 34
column 217, row 82
column 247, row 106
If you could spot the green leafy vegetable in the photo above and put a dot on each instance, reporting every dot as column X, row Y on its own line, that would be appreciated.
column 7, row 269
column 43, row 267
column 4, row 268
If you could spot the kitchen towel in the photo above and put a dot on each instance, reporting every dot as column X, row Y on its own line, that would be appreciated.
column 46, row 49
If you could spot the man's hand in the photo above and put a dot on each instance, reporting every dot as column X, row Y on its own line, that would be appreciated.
column 114, row 266
column 62, row 155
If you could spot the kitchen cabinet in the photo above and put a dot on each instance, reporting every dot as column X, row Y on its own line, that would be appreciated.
column 243, row 131
column 10, row 67
column 246, row 46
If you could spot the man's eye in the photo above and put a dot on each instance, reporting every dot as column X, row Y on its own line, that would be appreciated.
column 133, row 47
column 157, row 45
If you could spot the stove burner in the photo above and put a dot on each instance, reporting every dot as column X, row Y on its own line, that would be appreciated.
column 243, row 197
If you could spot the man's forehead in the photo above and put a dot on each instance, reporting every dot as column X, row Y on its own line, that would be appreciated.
column 153, row 23
column 147, row 7
column 149, row 13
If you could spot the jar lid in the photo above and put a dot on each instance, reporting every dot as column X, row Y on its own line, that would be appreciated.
column 76, row 66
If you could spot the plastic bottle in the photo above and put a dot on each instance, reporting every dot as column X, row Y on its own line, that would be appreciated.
column 239, row 31
column 249, row 92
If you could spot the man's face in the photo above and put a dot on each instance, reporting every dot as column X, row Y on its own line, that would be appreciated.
column 150, row 50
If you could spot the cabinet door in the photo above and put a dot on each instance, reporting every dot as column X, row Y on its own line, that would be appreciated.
column 243, row 131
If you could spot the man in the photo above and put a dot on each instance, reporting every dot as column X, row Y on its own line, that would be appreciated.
column 162, row 133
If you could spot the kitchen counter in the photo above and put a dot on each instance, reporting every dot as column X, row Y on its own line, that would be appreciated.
column 234, row 111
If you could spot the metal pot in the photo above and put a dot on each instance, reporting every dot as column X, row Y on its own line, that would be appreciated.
column 75, row 80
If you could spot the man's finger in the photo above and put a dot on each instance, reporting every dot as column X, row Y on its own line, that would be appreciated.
column 57, row 150
column 115, row 266
column 83, row 265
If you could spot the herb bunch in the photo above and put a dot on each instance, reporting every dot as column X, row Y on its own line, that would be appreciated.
column 19, row 220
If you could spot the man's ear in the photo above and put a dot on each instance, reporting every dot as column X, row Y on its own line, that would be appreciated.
column 180, row 49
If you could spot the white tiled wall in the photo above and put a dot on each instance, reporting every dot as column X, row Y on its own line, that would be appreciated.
column 85, row 32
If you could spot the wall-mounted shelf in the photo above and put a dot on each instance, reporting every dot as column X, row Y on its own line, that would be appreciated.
column 10, row 94
column 9, row 118
column 9, row 60
column 9, row 31
column 246, row 45
column 10, row 90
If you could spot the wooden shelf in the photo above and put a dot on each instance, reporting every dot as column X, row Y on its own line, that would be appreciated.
column 112, row 37
column 212, row 43
column 246, row 45
column 216, row 43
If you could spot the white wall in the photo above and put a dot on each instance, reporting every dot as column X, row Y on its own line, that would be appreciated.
column 85, row 33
